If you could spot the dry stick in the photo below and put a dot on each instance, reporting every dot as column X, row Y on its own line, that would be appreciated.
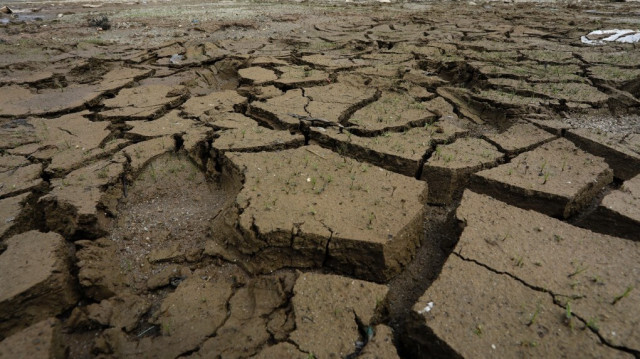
column 146, row 330
column 317, row 154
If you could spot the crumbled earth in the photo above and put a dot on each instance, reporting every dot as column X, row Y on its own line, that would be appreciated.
column 322, row 179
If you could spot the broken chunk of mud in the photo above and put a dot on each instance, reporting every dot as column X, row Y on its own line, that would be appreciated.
column 330, row 311
column 13, row 213
column 120, row 312
column 585, row 273
column 70, row 141
column 570, row 91
column 337, row 102
column 169, row 124
column 519, row 138
column 211, row 105
column 20, row 101
column 449, row 168
column 79, row 203
column 333, row 63
column 42, row 340
column 392, row 111
column 620, row 150
column 506, row 319
column 294, row 210
column 299, row 76
column 248, row 136
column 401, row 152
column 142, row 102
column 99, row 274
column 20, row 180
column 249, row 309
column 139, row 154
column 9, row 162
column 556, row 178
column 35, row 274
column 620, row 78
column 194, row 311
column 619, row 212
column 276, row 112
column 257, row 75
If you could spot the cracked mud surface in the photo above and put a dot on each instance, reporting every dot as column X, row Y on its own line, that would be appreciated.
column 318, row 180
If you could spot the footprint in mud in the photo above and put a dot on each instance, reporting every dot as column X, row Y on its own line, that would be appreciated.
column 164, row 218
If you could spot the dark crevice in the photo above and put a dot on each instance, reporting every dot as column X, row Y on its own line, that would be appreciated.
column 441, row 232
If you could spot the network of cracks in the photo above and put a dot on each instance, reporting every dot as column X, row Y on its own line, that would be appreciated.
column 375, row 187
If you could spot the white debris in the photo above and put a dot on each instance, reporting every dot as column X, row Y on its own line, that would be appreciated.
column 600, row 37
column 493, row 346
column 426, row 309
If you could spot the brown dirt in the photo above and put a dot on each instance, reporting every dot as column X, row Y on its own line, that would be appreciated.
column 284, row 179
column 556, row 170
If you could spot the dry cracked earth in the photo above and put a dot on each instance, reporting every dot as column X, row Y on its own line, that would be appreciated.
column 318, row 180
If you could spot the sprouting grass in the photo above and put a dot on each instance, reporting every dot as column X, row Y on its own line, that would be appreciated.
column 518, row 261
column 623, row 295
column 535, row 315
column 569, row 316
column 579, row 269
column 478, row 330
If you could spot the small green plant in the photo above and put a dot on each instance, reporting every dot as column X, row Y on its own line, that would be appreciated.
column 372, row 217
column 535, row 315
column 166, row 328
column 546, row 177
column 578, row 269
column 518, row 261
column 623, row 295
column 478, row 330
column 592, row 324
column 529, row 344
column 568, row 316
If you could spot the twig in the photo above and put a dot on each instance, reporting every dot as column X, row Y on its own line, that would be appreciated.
column 317, row 154
column 146, row 331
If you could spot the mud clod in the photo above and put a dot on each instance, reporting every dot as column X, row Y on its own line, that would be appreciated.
column 310, row 231
column 43, row 285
